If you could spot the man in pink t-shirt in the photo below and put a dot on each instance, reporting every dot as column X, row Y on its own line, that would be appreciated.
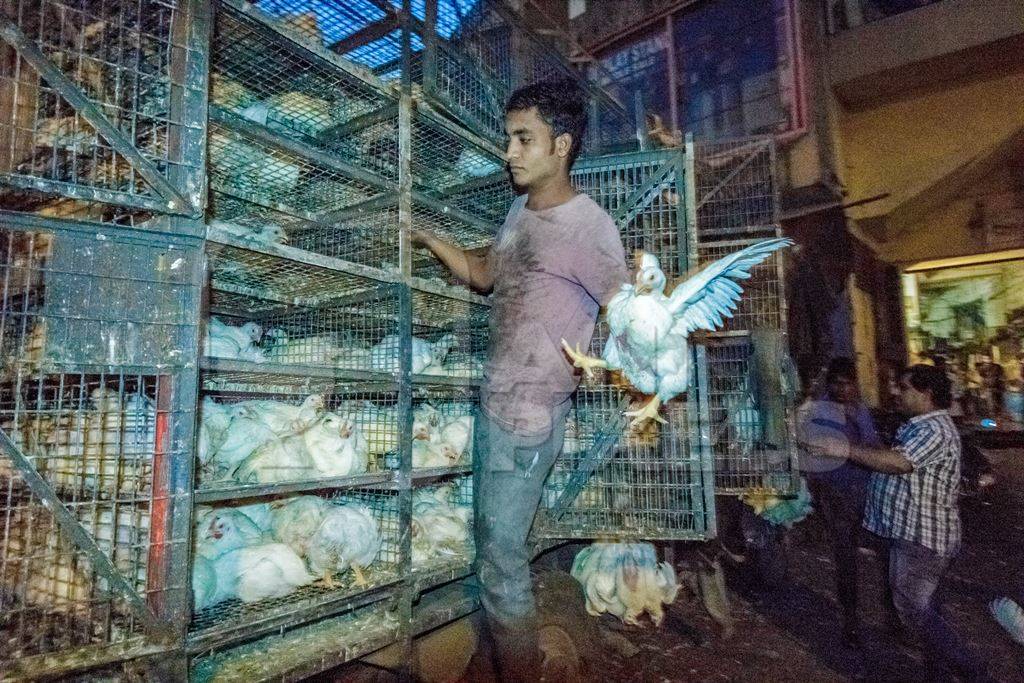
column 555, row 261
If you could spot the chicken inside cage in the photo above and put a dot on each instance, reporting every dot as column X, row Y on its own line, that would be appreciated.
column 266, row 551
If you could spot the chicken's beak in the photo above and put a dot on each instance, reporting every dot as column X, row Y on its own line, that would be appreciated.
column 421, row 436
column 345, row 431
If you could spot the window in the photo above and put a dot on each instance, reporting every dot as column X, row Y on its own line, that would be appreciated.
column 641, row 66
column 735, row 69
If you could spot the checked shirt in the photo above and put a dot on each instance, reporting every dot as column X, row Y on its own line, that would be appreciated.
column 922, row 506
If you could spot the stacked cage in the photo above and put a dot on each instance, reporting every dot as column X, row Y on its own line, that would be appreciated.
column 303, row 403
column 752, row 383
column 100, row 276
column 612, row 481
column 224, row 202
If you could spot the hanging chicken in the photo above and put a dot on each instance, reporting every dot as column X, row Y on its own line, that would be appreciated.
column 648, row 330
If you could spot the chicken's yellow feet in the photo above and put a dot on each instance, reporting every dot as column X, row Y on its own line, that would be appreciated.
column 327, row 581
column 582, row 360
column 360, row 579
column 648, row 412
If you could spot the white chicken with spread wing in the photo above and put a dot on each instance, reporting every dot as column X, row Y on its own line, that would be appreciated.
column 648, row 330
column 348, row 537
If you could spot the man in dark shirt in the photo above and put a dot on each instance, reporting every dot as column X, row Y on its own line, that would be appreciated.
column 839, row 487
column 555, row 261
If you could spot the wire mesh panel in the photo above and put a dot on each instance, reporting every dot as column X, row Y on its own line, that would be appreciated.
column 442, row 528
column 96, row 335
column 53, row 596
column 450, row 337
column 283, row 533
column 645, row 194
column 610, row 481
column 87, row 108
column 312, row 333
column 252, row 434
column 736, row 189
column 762, row 304
column 750, row 399
column 259, row 73
column 279, row 178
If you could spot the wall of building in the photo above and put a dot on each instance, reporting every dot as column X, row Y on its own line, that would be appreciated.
column 904, row 147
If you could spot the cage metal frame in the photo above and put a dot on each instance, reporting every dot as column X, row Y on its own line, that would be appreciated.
column 175, row 215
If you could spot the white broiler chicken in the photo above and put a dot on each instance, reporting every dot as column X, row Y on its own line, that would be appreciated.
column 266, row 233
column 426, row 419
column 233, row 342
column 626, row 580
column 243, row 436
column 433, row 454
column 378, row 425
column 457, row 432
column 384, row 356
column 440, row 528
column 330, row 447
column 258, row 572
column 214, row 419
column 204, row 584
column 648, row 330
column 222, row 530
column 282, row 418
column 293, row 521
column 348, row 537
column 292, row 112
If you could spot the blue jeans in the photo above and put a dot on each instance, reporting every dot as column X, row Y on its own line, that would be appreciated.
column 510, row 476
column 914, row 574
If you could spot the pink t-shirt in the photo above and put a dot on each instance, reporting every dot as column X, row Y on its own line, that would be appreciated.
column 553, row 269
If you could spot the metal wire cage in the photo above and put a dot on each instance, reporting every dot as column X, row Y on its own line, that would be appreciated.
column 301, row 321
column 87, row 109
column 737, row 192
column 762, row 305
column 457, row 331
column 442, row 527
column 645, row 194
column 750, row 413
column 54, row 596
column 233, row 617
column 613, row 482
column 96, row 334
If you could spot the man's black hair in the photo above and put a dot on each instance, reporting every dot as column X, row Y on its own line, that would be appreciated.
column 928, row 378
column 561, row 104
column 841, row 368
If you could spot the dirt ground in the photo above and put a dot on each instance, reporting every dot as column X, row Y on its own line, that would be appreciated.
column 792, row 634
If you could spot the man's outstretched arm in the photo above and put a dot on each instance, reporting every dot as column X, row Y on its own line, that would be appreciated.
column 471, row 266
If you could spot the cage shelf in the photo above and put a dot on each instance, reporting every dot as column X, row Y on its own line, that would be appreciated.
column 214, row 494
column 314, row 604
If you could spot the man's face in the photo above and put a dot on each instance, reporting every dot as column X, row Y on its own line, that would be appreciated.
column 914, row 402
column 843, row 390
column 534, row 156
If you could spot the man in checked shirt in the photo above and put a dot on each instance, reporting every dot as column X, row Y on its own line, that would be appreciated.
column 913, row 503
